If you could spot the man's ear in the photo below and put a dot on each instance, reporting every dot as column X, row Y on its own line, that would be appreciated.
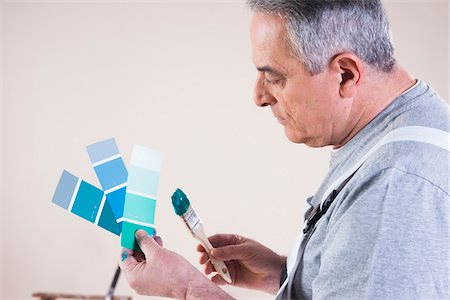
column 350, row 71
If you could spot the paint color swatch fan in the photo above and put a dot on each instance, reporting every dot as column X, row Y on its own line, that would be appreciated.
column 125, row 203
column 126, row 200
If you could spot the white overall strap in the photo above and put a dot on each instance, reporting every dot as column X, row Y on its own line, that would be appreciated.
column 291, row 262
column 293, row 252
column 427, row 135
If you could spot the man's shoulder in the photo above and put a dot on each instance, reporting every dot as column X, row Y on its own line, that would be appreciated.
column 421, row 108
column 397, row 183
column 408, row 160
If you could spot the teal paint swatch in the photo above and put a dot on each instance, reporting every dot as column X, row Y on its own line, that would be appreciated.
column 139, row 209
column 85, row 201
column 129, row 230
column 108, row 221
column 140, row 199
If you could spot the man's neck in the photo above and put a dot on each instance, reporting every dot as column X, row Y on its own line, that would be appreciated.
column 378, row 90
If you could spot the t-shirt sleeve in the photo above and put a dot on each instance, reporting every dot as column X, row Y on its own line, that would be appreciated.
column 388, row 239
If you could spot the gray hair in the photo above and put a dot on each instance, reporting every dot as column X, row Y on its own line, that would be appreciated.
column 318, row 30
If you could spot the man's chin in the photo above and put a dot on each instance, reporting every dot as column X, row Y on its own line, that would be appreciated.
column 302, row 139
column 293, row 136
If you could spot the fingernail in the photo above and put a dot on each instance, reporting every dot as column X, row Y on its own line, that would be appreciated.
column 158, row 240
column 124, row 255
column 140, row 234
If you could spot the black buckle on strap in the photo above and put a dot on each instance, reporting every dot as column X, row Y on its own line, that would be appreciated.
column 318, row 213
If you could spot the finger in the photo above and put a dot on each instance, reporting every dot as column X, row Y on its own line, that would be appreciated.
column 158, row 240
column 220, row 239
column 128, row 251
column 127, row 260
column 147, row 244
column 218, row 280
column 209, row 268
column 226, row 253
column 203, row 258
column 200, row 248
column 139, row 256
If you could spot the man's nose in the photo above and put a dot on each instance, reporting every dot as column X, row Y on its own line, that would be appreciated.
column 262, row 95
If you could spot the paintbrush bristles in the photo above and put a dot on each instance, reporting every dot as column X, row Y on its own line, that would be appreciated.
column 180, row 202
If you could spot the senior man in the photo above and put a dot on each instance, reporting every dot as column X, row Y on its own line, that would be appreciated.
column 377, row 228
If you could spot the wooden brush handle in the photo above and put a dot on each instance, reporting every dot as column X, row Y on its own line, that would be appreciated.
column 219, row 265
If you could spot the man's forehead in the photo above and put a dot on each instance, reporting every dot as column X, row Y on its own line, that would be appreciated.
column 267, row 28
column 269, row 41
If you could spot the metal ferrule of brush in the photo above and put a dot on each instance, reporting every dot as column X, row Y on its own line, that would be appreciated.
column 192, row 220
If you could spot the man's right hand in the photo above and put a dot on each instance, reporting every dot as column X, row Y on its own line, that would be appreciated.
column 251, row 264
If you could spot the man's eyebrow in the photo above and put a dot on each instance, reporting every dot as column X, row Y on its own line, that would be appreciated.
column 269, row 70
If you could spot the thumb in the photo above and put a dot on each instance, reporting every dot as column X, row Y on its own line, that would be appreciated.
column 147, row 244
column 229, row 252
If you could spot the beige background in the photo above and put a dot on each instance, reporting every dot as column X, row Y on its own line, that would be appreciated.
column 175, row 76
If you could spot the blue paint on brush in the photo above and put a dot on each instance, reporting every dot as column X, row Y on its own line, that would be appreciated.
column 180, row 202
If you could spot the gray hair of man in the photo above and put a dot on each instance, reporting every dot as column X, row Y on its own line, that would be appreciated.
column 318, row 30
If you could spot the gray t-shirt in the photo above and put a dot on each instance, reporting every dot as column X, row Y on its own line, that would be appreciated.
column 386, row 235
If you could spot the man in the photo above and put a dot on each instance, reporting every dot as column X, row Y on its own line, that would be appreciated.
column 378, row 225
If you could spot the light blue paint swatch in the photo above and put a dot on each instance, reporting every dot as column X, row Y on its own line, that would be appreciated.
column 111, row 172
column 143, row 180
column 102, row 150
column 140, row 198
column 85, row 201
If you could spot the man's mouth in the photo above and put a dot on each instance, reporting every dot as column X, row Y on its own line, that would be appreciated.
column 280, row 120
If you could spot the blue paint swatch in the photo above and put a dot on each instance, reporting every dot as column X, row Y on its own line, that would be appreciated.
column 116, row 200
column 140, row 198
column 85, row 201
column 64, row 190
column 111, row 172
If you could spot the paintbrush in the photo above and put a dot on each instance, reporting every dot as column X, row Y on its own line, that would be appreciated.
column 184, row 209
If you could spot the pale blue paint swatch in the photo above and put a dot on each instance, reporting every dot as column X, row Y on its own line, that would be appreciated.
column 102, row 150
column 143, row 180
column 64, row 189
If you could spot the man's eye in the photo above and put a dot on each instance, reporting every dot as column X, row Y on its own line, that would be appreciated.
column 272, row 81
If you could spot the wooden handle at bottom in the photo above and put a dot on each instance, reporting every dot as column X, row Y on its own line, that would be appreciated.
column 219, row 265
